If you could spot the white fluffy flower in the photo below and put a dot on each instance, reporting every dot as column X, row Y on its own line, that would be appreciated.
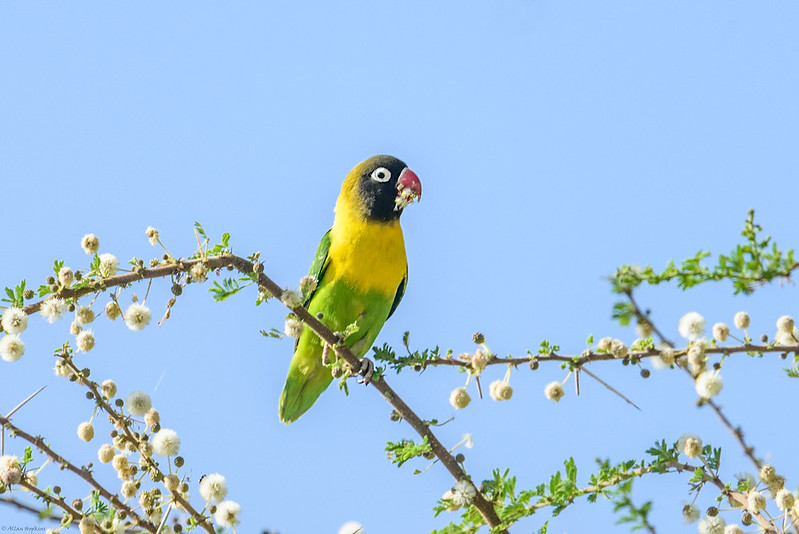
column 711, row 525
column 690, row 450
column 721, row 331
column 7, row 462
column 137, row 316
column 692, row 326
column 129, row 489
column 667, row 356
column 227, row 514
column 108, row 265
column 785, row 499
column 604, row 344
column 767, row 473
column 500, row 390
column 785, row 324
column 87, row 525
column 112, row 310
column 618, row 348
column 459, row 398
column 90, row 244
column 65, row 276
column 213, row 487
column 105, row 453
column 85, row 315
column 15, row 321
column 479, row 360
column 166, row 442
column 690, row 513
column 696, row 357
column 120, row 462
column 85, row 341
column 11, row 348
column 755, row 501
column 741, row 320
column 463, row 492
column 693, row 447
column 733, row 529
column 308, row 285
column 198, row 272
column 86, row 431
column 293, row 327
column 138, row 403
column 291, row 298
column 554, row 391
column 52, row 309
column 790, row 337
column 467, row 441
column 61, row 369
column 709, row 384
column 108, row 388
column 153, row 234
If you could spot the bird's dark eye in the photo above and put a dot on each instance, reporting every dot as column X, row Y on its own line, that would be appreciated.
column 381, row 174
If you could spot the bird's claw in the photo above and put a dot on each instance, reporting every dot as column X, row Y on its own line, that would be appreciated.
column 366, row 371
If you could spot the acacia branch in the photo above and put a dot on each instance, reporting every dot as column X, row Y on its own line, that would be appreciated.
column 737, row 432
column 123, row 424
column 83, row 473
column 247, row 267
column 587, row 357
column 485, row 508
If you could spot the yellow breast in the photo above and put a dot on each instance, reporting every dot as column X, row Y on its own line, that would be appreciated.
column 368, row 255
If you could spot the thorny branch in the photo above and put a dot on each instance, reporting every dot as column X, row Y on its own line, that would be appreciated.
column 173, row 267
column 247, row 267
column 736, row 431
column 123, row 424
column 82, row 472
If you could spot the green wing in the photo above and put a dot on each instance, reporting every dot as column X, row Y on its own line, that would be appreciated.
column 400, row 293
column 319, row 265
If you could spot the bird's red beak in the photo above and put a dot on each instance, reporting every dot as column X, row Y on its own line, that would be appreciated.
column 408, row 184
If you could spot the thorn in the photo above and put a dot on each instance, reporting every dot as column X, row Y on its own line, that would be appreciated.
column 628, row 401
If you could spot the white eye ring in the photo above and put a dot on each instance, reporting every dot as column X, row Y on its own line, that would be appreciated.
column 381, row 174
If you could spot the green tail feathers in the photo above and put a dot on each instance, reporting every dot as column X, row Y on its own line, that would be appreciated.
column 307, row 379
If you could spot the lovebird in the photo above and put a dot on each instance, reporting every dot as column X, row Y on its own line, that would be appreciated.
column 361, row 273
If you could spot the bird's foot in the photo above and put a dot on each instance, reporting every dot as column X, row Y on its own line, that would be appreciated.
column 366, row 371
column 325, row 353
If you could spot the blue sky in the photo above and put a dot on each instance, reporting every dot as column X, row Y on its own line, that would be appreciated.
column 554, row 141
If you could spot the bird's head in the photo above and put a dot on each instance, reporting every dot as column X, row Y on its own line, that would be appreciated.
column 381, row 187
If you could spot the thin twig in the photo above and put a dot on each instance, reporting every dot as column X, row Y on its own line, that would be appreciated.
column 737, row 432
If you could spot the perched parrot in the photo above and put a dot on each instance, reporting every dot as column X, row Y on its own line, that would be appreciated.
column 361, row 272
